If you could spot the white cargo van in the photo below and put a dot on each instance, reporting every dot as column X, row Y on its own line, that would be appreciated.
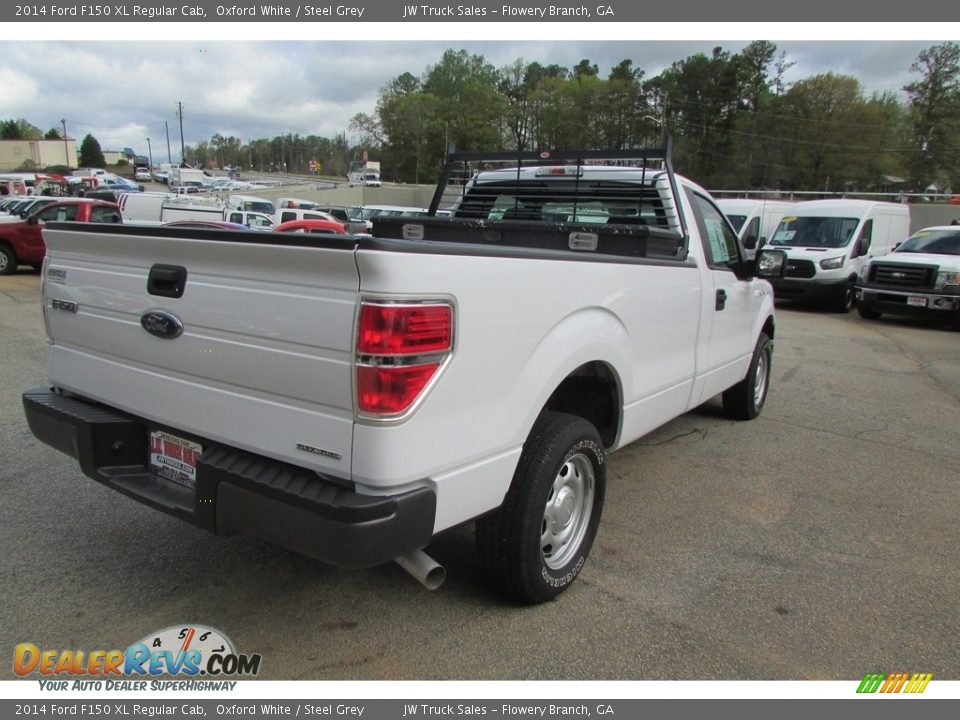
column 149, row 208
column 186, row 177
column 754, row 219
column 828, row 240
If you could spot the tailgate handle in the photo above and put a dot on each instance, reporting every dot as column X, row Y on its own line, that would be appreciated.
column 167, row 281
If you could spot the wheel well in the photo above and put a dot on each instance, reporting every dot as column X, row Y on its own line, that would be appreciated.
column 768, row 328
column 593, row 393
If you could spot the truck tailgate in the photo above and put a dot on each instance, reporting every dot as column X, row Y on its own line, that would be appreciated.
column 263, row 362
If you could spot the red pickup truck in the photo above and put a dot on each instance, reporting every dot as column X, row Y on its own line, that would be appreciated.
column 22, row 242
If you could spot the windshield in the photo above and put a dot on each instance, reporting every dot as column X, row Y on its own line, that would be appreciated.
column 937, row 242
column 737, row 221
column 258, row 206
column 815, row 232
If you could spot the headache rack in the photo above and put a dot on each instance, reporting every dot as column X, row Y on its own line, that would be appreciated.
column 614, row 202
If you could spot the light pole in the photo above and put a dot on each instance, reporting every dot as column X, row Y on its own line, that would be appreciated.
column 66, row 147
column 150, row 152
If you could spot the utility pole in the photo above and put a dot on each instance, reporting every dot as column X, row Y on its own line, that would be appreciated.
column 150, row 152
column 166, row 125
column 66, row 147
column 183, row 150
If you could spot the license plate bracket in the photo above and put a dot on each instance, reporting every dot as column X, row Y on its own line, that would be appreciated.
column 174, row 458
column 916, row 301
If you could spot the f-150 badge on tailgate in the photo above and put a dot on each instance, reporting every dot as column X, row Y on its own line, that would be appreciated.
column 162, row 324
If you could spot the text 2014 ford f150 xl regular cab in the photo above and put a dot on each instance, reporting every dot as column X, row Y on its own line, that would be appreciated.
column 351, row 397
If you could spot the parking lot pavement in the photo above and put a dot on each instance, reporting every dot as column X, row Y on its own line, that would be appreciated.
column 818, row 541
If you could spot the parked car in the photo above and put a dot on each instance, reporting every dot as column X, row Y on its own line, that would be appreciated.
column 142, row 174
column 22, row 242
column 921, row 277
column 313, row 226
column 206, row 225
column 27, row 206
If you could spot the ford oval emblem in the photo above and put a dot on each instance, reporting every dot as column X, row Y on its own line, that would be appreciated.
column 161, row 324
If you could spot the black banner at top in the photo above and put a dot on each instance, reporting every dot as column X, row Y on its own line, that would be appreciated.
column 406, row 11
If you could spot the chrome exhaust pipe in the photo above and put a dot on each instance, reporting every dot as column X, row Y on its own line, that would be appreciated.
column 424, row 568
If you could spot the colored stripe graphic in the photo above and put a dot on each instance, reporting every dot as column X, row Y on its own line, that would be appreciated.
column 895, row 682
column 870, row 683
column 919, row 682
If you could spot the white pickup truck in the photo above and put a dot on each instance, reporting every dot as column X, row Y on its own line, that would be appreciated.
column 351, row 397
column 921, row 277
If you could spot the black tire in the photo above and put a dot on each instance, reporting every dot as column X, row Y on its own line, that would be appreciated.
column 536, row 543
column 745, row 400
column 867, row 312
column 8, row 261
column 844, row 303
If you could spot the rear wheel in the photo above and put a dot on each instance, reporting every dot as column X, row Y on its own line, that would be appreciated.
column 745, row 400
column 8, row 261
column 536, row 543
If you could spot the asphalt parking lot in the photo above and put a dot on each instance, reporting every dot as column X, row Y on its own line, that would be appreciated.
column 816, row 542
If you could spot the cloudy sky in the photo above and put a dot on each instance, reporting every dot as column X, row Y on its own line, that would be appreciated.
column 123, row 92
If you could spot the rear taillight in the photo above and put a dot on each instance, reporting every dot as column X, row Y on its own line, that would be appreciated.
column 404, row 329
column 400, row 349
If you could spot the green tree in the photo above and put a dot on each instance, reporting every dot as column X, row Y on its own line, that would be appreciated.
column 701, row 98
column 469, row 108
column 90, row 153
column 19, row 129
column 825, row 123
column 53, row 134
column 934, row 102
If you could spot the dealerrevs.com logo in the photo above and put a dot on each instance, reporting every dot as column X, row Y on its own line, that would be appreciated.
column 189, row 650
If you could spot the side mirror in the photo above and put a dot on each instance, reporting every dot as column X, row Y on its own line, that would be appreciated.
column 864, row 247
column 770, row 264
column 750, row 242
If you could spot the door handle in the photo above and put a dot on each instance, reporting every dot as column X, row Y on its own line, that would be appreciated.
column 167, row 280
column 721, row 299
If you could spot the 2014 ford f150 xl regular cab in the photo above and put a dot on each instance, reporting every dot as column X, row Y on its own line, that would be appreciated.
column 351, row 397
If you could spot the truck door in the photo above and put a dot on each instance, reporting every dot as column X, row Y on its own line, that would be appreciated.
column 729, row 313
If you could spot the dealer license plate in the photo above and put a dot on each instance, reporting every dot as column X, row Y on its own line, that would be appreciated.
column 174, row 458
column 916, row 301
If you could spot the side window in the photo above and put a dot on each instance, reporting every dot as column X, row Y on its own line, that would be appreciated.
column 862, row 245
column 59, row 214
column 284, row 217
column 236, row 218
column 104, row 215
column 720, row 242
